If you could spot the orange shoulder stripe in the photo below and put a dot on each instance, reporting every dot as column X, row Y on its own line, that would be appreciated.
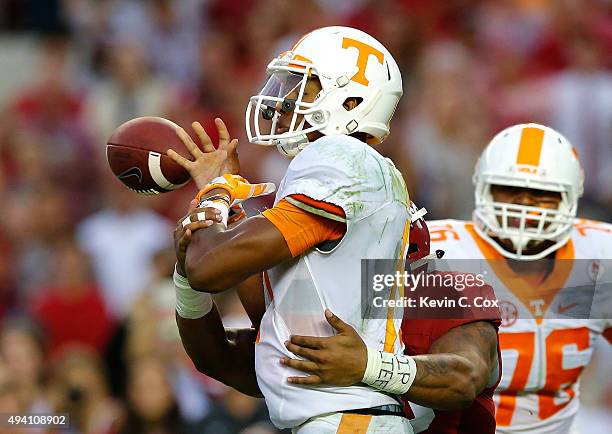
column 319, row 204
column 301, row 229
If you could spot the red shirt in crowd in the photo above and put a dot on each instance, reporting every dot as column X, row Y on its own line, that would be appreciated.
column 82, row 319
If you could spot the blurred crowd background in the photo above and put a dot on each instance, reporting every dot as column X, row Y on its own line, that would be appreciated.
column 86, row 298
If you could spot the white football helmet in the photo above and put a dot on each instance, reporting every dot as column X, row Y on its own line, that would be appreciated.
column 529, row 156
column 349, row 64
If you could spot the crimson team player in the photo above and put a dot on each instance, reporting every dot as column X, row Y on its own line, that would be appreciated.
column 423, row 332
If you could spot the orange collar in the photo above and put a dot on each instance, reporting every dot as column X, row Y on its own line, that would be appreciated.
column 528, row 287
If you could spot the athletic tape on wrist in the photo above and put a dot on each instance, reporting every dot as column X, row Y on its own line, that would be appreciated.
column 190, row 304
column 388, row 372
column 220, row 205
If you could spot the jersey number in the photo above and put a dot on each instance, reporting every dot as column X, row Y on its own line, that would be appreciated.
column 557, row 378
column 442, row 233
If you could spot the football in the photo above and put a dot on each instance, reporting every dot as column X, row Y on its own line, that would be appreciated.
column 136, row 153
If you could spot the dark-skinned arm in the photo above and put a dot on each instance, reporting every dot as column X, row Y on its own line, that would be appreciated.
column 218, row 258
column 226, row 357
column 222, row 354
column 457, row 369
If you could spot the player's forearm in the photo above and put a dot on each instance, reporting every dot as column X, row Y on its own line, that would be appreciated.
column 203, row 263
column 219, row 259
column 446, row 381
column 458, row 367
column 456, row 370
column 230, row 361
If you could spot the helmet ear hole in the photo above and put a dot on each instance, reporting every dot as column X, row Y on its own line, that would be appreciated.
column 352, row 102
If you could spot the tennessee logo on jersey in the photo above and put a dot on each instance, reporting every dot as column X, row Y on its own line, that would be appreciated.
column 546, row 334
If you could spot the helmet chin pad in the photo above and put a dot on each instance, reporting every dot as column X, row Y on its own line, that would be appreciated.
column 292, row 146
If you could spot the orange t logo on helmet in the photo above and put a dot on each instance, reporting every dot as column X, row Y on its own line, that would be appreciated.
column 365, row 51
column 530, row 149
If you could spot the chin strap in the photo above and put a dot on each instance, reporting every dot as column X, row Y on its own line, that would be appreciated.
column 292, row 146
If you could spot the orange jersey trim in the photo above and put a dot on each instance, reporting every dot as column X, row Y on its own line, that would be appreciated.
column 527, row 288
column 301, row 229
column 268, row 285
column 319, row 204
column 354, row 424
column 391, row 335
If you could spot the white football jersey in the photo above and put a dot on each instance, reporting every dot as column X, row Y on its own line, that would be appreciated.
column 346, row 172
column 544, row 338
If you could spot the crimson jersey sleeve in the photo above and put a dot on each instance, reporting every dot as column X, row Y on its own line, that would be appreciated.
column 422, row 327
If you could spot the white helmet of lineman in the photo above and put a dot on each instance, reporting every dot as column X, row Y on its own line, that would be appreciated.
column 529, row 156
column 349, row 64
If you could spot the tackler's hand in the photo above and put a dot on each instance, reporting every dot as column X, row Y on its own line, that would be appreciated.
column 338, row 360
column 196, row 219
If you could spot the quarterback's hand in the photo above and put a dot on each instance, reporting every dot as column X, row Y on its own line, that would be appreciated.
column 183, row 232
column 338, row 360
column 237, row 188
column 208, row 162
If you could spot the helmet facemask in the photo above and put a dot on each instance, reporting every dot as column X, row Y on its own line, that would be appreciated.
column 536, row 225
column 284, row 93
